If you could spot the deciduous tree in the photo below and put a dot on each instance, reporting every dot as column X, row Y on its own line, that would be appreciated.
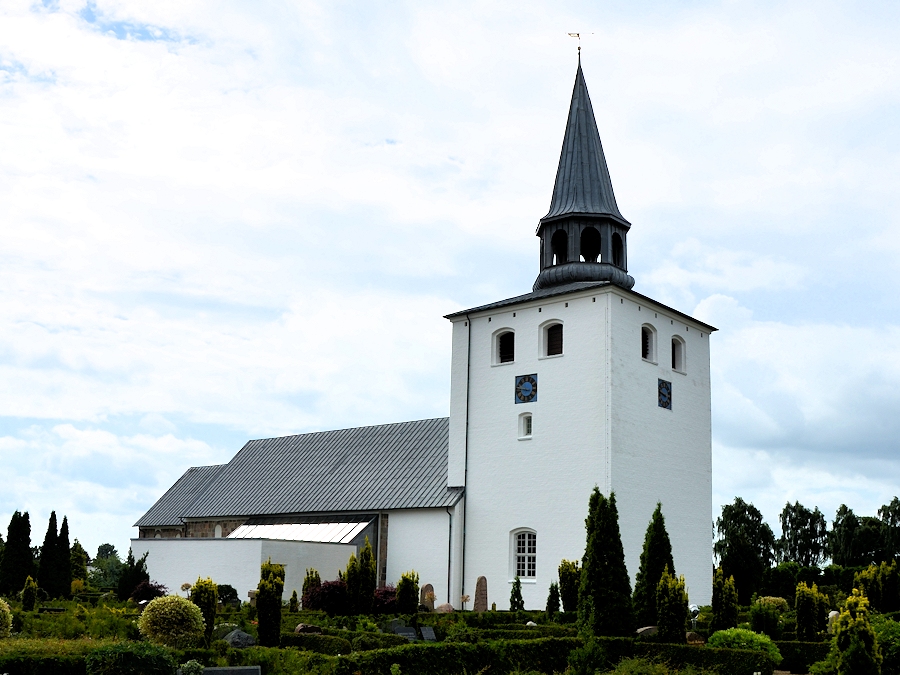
column 804, row 536
column 745, row 546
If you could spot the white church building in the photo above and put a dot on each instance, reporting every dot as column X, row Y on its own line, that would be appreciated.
column 580, row 383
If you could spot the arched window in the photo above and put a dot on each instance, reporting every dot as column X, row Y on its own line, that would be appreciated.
column 218, row 531
column 678, row 354
column 618, row 251
column 559, row 244
column 506, row 347
column 648, row 343
column 523, row 558
column 554, row 339
column 590, row 245
column 525, row 426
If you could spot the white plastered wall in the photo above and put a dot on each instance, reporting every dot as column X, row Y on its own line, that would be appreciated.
column 419, row 540
column 236, row 562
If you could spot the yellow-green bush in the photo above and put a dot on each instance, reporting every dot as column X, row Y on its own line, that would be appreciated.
column 5, row 619
column 205, row 594
column 172, row 621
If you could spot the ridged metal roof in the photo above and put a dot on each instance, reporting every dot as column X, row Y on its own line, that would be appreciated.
column 390, row 466
column 169, row 509
column 582, row 183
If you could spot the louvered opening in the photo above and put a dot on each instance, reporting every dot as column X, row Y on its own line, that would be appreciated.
column 647, row 343
column 555, row 339
column 506, row 346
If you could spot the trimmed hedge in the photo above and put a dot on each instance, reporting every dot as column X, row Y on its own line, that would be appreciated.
column 40, row 664
column 320, row 644
column 367, row 641
column 731, row 661
column 799, row 656
column 140, row 657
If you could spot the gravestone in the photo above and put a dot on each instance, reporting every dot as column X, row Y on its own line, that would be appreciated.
column 307, row 628
column 426, row 597
column 481, row 595
column 446, row 608
column 428, row 634
column 239, row 639
column 408, row 633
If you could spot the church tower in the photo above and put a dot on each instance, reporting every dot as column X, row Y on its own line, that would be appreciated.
column 582, row 382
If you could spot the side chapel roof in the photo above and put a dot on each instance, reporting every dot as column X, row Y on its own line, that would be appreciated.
column 383, row 467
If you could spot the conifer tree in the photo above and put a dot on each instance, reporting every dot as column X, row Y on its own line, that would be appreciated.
column 569, row 580
column 294, row 602
column 205, row 594
column 78, row 561
column 724, row 602
column 47, row 574
column 408, row 593
column 29, row 594
column 18, row 561
column 268, row 603
column 368, row 579
column 656, row 556
column 351, row 578
column 516, row 604
column 604, row 595
column 671, row 608
column 553, row 600
column 133, row 573
column 62, row 563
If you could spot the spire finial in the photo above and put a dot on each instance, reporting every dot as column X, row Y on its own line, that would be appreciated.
column 577, row 35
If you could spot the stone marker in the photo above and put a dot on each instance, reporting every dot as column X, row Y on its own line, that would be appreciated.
column 408, row 633
column 428, row 634
column 446, row 608
column 832, row 620
column 480, row 595
column 694, row 638
column 647, row 630
column 424, row 598
column 307, row 628
column 239, row 639
column 531, row 624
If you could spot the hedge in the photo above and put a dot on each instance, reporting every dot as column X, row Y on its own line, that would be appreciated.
column 731, row 661
column 320, row 644
column 368, row 641
column 799, row 656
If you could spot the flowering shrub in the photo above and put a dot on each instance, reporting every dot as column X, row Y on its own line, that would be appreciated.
column 172, row 621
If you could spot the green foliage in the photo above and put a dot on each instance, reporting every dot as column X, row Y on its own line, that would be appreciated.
column 841, row 538
column 48, row 562
column 765, row 618
column 321, row 644
column 812, row 611
column 78, row 561
column 890, row 516
column 311, row 583
column 367, row 641
column 798, row 657
column 106, row 568
column 745, row 546
column 228, row 595
column 18, row 561
column 516, row 604
column 352, row 579
column 294, row 602
column 172, row 621
column 131, row 574
column 855, row 639
column 408, row 593
column 63, row 562
column 881, row 585
column 268, row 603
column 569, row 580
column 671, row 608
column 205, row 594
column 367, row 580
column 588, row 658
column 741, row 638
column 140, row 657
column 655, row 557
column 192, row 667
column 29, row 595
column 553, row 600
column 724, row 602
column 804, row 538
column 888, row 634
column 604, row 594
column 5, row 619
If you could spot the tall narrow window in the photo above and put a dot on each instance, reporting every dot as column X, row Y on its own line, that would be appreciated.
column 618, row 251
column 506, row 348
column 526, row 555
column 525, row 426
column 648, row 343
column 678, row 354
column 555, row 339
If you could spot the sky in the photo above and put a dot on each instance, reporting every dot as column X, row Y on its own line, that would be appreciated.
column 223, row 221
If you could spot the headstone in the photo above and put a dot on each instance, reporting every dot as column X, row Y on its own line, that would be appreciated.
column 307, row 628
column 832, row 620
column 531, row 624
column 446, row 608
column 426, row 597
column 428, row 634
column 646, row 631
column 481, row 595
column 408, row 633
column 694, row 638
column 252, row 596
column 239, row 639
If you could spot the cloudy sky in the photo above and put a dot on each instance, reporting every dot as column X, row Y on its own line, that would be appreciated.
column 224, row 221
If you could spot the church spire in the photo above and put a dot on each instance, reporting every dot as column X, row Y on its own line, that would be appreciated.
column 583, row 235
column 582, row 179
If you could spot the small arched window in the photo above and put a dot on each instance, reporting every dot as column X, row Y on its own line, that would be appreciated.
column 648, row 343
column 218, row 531
column 523, row 558
column 678, row 354
column 618, row 251
column 506, row 347
column 559, row 244
column 525, row 426
column 590, row 245
column 554, row 339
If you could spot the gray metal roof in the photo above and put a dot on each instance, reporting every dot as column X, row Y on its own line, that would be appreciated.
column 169, row 508
column 572, row 288
column 582, row 184
column 390, row 466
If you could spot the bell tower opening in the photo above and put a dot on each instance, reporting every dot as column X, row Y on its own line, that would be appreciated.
column 618, row 251
column 559, row 244
column 590, row 245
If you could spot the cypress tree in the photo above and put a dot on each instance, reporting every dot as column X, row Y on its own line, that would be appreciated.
column 656, row 557
column 205, row 594
column 724, row 602
column 553, row 600
column 133, row 573
column 368, row 578
column 18, row 561
column 268, row 603
column 351, row 578
column 516, row 604
column 47, row 564
column 78, row 562
column 569, row 579
column 672, row 608
column 63, row 563
column 604, row 595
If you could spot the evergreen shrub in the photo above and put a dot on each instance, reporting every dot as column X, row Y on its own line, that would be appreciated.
column 671, row 608
column 553, row 600
column 741, row 638
column 766, row 619
column 408, row 593
column 321, row 644
column 368, row 641
column 516, row 604
column 294, row 602
column 797, row 657
column 29, row 595
column 205, row 594
column 569, row 578
column 5, row 619
column 172, row 621
column 311, row 583
column 724, row 602
column 855, row 638
column 812, row 610
column 881, row 585
column 128, row 657
column 656, row 556
column 268, row 603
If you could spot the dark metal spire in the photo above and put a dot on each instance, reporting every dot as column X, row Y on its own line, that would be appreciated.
column 582, row 180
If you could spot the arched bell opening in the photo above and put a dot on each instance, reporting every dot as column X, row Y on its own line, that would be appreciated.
column 590, row 245
column 559, row 244
column 618, row 251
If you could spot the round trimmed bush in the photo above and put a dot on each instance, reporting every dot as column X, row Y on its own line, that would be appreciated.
column 5, row 619
column 172, row 621
column 741, row 638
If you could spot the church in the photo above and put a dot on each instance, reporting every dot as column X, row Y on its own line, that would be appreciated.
column 582, row 382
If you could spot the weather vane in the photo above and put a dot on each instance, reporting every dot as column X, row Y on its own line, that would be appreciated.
column 577, row 35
